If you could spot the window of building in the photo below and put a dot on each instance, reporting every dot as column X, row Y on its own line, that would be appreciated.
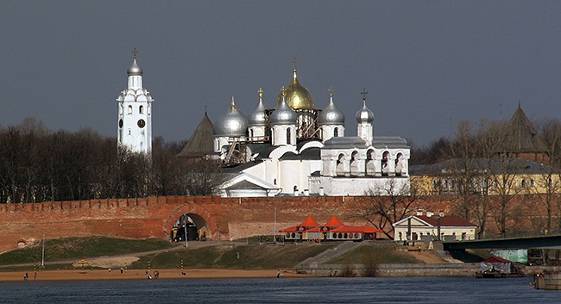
column 141, row 109
column 251, row 132
column 400, row 235
column 399, row 164
column 288, row 136
column 464, row 236
column 130, row 110
column 336, row 132
column 384, row 163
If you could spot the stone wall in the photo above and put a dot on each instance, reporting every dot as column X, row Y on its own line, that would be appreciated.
column 226, row 218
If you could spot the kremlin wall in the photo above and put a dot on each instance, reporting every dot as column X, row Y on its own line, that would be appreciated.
column 224, row 218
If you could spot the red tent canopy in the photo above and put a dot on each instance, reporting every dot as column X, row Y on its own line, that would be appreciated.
column 310, row 222
column 333, row 222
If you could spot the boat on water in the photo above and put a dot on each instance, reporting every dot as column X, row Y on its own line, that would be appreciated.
column 548, row 281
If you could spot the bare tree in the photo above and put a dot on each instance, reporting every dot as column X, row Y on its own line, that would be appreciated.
column 388, row 205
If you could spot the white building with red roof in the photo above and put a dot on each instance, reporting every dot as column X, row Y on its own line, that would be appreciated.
column 427, row 226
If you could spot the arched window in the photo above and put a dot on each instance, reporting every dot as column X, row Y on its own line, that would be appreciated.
column 354, row 163
column 141, row 109
column 385, row 167
column 399, row 164
column 370, row 166
column 251, row 132
column 340, row 170
column 336, row 132
column 288, row 136
column 130, row 110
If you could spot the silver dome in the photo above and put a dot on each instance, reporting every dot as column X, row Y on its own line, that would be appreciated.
column 283, row 115
column 258, row 117
column 135, row 69
column 331, row 115
column 234, row 124
column 364, row 115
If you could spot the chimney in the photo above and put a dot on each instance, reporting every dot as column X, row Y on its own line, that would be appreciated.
column 429, row 213
column 321, row 191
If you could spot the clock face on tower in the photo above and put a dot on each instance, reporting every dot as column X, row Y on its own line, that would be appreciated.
column 141, row 123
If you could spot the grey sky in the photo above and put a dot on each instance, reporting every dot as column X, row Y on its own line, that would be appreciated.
column 426, row 64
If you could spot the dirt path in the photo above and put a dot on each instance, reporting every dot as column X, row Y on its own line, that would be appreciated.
column 59, row 275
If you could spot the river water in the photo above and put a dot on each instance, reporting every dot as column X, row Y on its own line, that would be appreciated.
column 316, row 290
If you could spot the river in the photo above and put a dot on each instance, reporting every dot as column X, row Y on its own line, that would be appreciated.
column 316, row 290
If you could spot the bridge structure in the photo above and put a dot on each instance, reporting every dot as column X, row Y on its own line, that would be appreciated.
column 548, row 241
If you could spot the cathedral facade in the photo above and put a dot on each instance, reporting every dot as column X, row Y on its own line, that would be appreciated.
column 296, row 149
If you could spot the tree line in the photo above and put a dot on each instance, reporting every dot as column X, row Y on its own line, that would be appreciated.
column 37, row 164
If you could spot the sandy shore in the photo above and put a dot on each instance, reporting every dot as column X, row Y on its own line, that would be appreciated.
column 138, row 274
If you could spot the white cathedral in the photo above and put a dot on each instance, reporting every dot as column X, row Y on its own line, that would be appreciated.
column 292, row 149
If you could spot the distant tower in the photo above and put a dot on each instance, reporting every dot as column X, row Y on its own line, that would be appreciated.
column 331, row 121
column 134, row 130
column 283, row 124
column 365, row 121
column 258, row 120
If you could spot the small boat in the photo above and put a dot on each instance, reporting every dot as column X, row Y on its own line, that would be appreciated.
column 547, row 281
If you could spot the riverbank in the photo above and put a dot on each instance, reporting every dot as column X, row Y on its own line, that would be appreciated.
column 137, row 274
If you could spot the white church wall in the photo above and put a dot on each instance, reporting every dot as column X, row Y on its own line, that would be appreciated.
column 359, row 186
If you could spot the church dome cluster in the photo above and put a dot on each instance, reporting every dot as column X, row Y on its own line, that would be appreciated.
column 294, row 118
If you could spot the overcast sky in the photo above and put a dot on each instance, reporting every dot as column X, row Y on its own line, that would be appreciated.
column 426, row 64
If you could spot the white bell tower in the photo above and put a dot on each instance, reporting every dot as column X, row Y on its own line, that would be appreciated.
column 134, row 121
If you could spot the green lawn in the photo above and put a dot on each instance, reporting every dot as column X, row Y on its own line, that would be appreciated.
column 374, row 255
column 76, row 248
column 266, row 256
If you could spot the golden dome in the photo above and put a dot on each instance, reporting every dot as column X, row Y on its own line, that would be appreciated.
column 297, row 96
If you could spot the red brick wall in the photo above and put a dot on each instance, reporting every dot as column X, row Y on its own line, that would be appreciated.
column 227, row 218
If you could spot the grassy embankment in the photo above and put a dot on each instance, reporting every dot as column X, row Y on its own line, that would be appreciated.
column 267, row 256
column 78, row 248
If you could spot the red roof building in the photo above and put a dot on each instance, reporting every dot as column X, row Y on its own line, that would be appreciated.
column 333, row 229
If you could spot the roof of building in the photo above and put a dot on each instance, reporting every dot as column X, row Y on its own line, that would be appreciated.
column 310, row 222
column 355, row 229
column 333, row 222
column 447, row 220
column 201, row 142
column 390, row 142
column 308, row 154
column 333, row 225
column 522, row 136
column 492, row 165
column 345, row 142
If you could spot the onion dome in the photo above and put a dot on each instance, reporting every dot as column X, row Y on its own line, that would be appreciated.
column 297, row 96
column 283, row 115
column 258, row 117
column 364, row 115
column 234, row 124
column 331, row 115
column 135, row 69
